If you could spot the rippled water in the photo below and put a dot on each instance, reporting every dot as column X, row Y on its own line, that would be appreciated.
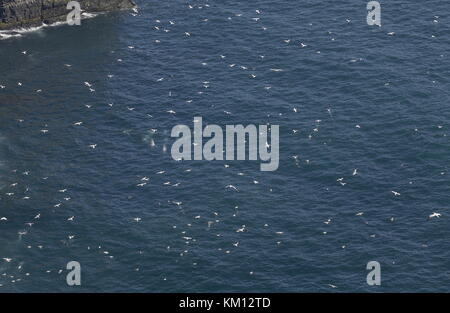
column 353, row 98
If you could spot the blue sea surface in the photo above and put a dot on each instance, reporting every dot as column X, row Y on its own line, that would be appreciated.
column 363, row 112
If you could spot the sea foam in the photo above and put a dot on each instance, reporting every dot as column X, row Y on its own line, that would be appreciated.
column 19, row 32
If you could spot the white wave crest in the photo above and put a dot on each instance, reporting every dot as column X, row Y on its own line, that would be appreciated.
column 18, row 32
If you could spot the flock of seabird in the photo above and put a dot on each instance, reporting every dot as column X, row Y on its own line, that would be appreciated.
column 163, row 27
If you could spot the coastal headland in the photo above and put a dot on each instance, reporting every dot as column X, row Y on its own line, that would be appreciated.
column 29, row 13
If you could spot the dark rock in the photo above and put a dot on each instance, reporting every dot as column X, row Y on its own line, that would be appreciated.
column 26, row 13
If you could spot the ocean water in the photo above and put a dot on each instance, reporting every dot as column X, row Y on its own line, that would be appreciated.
column 363, row 111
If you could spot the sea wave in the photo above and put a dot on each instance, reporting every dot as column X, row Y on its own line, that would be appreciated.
column 19, row 32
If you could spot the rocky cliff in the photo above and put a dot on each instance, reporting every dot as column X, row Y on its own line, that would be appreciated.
column 24, row 13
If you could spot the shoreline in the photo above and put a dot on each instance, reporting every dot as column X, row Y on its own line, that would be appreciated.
column 19, row 32
column 28, row 14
